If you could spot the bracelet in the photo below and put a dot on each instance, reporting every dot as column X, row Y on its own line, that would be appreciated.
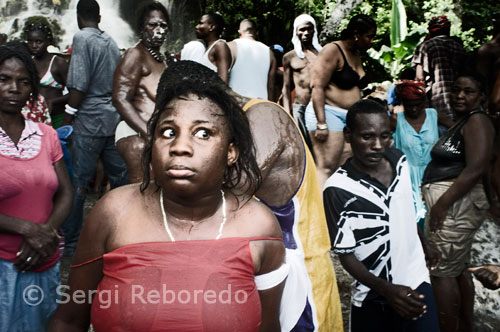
column 322, row 126
column 70, row 110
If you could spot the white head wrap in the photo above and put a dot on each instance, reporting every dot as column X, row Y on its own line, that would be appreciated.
column 297, row 46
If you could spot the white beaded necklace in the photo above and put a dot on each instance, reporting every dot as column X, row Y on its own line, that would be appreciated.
column 165, row 222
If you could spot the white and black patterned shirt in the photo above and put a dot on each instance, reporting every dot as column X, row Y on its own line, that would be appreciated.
column 376, row 224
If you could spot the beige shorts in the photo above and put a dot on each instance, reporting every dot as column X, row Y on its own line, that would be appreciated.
column 454, row 239
column 123, row 130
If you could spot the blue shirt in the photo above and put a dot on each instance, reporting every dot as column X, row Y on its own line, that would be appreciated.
column 93, row 62
column 417, row 148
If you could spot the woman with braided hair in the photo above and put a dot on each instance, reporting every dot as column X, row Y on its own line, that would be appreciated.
column 52, row 69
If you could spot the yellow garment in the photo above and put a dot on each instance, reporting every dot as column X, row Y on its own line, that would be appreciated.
column 311, row 235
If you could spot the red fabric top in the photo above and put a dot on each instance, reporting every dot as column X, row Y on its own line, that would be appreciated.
column 203, row 285
column 27, row 188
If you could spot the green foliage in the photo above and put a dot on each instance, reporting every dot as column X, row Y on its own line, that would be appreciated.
column 274, row 18
column 471, row 21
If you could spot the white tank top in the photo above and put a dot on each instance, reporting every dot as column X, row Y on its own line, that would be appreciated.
column 206, row 61
column 250, row 71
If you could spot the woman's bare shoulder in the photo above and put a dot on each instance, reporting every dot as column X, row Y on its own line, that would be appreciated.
column 257, row 220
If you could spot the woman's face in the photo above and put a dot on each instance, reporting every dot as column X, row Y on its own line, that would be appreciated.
column 15, row 85
column 365, row 40
column 414, row 107
column 37, row 43
column 191, row 147
column 155, row 29
column 466, row 95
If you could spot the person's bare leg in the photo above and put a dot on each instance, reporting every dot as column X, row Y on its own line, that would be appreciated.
column 346, row 154
column 466, row 316
column 130, row 149
column 447, row 296
column 327, row 154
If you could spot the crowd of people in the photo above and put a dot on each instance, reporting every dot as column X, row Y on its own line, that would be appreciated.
column 232, row 177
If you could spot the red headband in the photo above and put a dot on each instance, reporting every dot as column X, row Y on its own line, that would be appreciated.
column 410, row 90
column 439, row 22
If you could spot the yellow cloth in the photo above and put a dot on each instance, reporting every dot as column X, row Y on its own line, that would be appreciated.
column 314, row 241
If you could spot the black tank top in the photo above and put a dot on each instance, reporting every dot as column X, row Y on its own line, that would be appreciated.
column 347, row 78
column 448, row 154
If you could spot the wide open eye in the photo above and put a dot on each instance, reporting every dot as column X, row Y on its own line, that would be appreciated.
column 202, row 133
column 168, row 133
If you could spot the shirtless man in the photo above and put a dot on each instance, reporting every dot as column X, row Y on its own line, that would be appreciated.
column 312, row 304
column 134, row 86
column 217, row 55
column 297, row 66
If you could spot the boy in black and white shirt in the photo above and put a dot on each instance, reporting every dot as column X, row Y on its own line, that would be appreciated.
column 370, row 214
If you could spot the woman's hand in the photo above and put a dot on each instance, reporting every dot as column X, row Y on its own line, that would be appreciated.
column 27, row 258
column 437, row 215
column 321, row 134
column 432, row 255
column 42, row 238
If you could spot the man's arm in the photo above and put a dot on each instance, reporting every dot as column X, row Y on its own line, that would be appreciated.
column 222, row 57
column 287, row 82
column 75, row 99
column 403, row 299
column 125, row 84
column 271, row 76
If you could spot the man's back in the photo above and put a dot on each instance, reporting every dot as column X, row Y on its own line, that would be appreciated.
column 93, row 62
column 441, row 58
column 250, row 71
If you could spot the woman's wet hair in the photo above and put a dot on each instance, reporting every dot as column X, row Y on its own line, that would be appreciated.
column 364, row 106
column 359, row 24
column 147, row 8
column 38, row 23
column 188, row 77
column 19, row 50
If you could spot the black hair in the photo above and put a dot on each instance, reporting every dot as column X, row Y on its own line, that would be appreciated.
column 359, row 24
column 475, row 76
column 144, row 11
column 407, row 74
column 188, row 77
column 20, row 51
column 88, row 10
column 218, row 21
column 37, row 23
column 364, row 106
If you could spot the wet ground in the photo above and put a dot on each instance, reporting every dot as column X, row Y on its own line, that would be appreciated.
column 485, row 250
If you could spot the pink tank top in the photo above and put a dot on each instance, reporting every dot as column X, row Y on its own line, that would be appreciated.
column 203, row 285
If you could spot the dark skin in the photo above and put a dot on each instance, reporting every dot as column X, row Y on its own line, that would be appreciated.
column 488, row 275
column 369, row 139
column 328, row 145
column 37, row 43
column 297, row 71
column 220, row 55
column 455, row 295
column 187, row 136
column 40, row 240
column 134, row 91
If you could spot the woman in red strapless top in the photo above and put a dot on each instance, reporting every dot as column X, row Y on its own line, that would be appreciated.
column 181, row 253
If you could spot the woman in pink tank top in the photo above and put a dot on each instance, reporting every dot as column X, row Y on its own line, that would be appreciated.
column 188, row 249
